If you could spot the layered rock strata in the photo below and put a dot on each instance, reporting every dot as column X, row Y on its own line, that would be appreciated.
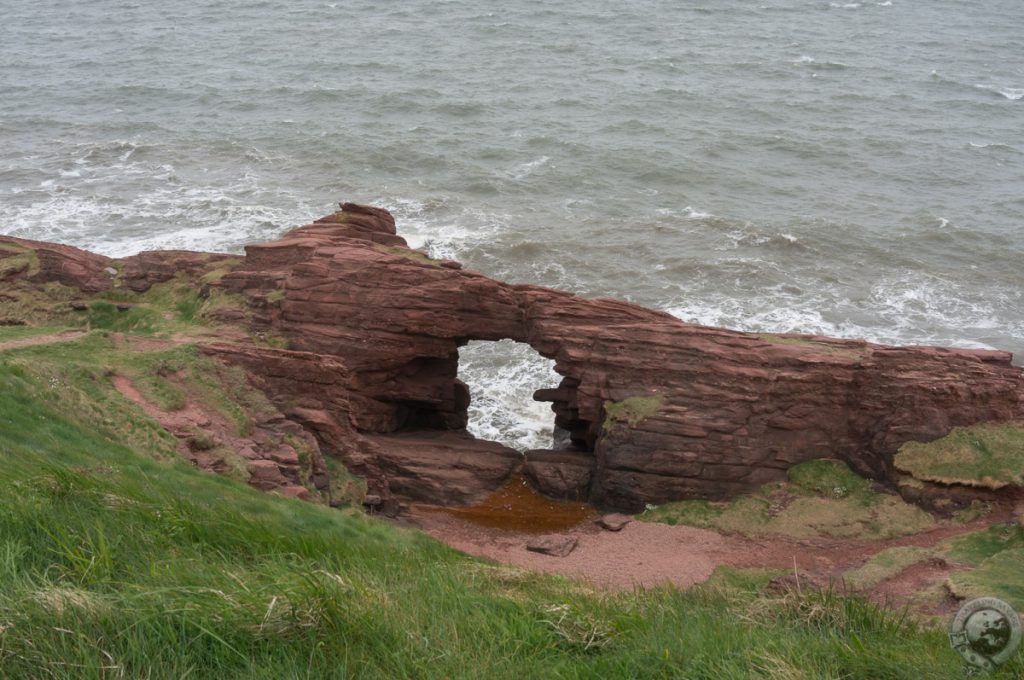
column 654, row 409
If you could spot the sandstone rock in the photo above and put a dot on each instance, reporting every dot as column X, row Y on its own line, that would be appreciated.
column 266, row 475
column 562, row 475
column 665, row 409
column 62, row 264
column 654, row 409
column 448, row 468
column 613, row 521
column 556, row 546
column 294, row 491
column 145, row 269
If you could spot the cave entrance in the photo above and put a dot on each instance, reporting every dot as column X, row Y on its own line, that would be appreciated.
column 502, row 377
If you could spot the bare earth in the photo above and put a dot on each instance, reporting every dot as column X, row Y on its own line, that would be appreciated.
column 63, row 336
column 647, row 554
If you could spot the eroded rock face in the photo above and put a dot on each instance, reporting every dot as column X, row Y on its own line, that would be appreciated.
column 655, row 409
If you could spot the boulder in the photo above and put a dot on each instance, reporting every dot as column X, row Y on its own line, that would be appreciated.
column 556, row 546
column 613, row 521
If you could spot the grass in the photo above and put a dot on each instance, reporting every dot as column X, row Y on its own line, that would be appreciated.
column 821, row 498
column 816, row 345
column 407, row 253
column 115, row 564
column 999, row 576
column 21, row 332
column 16, row 259
column 988, row 455
column 886, row 564
column 632, row 410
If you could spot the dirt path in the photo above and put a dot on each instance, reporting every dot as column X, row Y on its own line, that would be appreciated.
column 48, row 339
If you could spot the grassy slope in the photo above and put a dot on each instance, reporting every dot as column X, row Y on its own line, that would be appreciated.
column 113, row 564
column 118, row 560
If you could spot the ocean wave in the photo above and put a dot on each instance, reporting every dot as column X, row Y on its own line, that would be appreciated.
column 502, row 377
column 994, row 146
column 900, row 308
column 1011, row 93
column 811, row 61
column 524, row 170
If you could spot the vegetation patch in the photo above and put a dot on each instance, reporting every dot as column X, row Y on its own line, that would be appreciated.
column 16, row 260
column 976, row 547
column 816, row 345
column 886, row 564
column 999, row 576
column 988, row 455
column 345, row 487
column 407, row 253
column 632, row 410
column 821, row 498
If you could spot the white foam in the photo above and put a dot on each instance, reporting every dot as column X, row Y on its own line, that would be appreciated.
column 695, row 214
column 524, row 170
column 1011, row 93
column 441, row 232
column 502, row 377
column 901, row 308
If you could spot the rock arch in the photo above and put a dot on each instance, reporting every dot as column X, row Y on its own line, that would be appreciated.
column 657, row 409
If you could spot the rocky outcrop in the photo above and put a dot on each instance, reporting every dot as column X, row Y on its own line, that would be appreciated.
column 654, row 409
column 41, row 262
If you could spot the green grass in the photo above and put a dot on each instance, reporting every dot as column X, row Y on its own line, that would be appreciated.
column 407, row 253
column 976, row 547
column 16, row 259
column 1001, row 575
column 632, row 410
column 816, row 345
column 886, row 564
column 79, row 374
column 989, row 455
column 114, row 564
column 821, row 498
column 21, row 332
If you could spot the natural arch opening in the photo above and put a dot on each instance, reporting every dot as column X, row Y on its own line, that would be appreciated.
column 502, row 377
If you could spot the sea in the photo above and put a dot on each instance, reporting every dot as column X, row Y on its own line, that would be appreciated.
column 854, row 169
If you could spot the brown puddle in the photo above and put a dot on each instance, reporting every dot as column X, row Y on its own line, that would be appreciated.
column 517, row 507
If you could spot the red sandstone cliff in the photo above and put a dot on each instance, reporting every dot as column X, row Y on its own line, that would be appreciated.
column 655, row 409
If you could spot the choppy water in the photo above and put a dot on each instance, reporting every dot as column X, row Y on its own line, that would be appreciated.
column 855, row 169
